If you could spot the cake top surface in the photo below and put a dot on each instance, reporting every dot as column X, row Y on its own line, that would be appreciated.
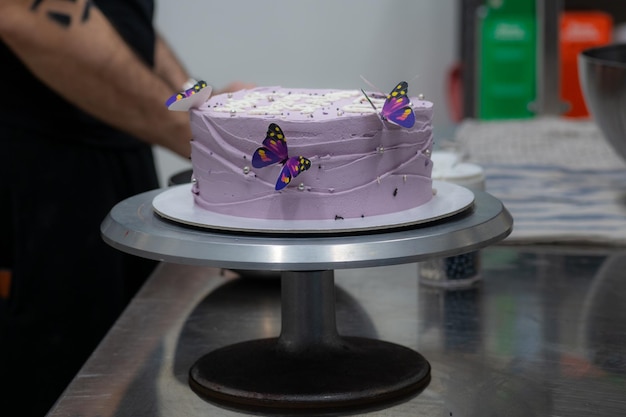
column 298, row 103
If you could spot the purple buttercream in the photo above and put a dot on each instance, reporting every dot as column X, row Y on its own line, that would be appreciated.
column 360, row 165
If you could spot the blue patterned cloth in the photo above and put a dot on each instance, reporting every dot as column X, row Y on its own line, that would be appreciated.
column 559, row 178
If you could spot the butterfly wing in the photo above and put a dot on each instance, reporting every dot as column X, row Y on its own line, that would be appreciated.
column 397, row 108
column 292, row 168
column 192, row 97
column 274, row 149
column 173, row 99
column 404, row 117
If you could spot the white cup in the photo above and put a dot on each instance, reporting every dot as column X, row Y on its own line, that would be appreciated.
column 459, row 271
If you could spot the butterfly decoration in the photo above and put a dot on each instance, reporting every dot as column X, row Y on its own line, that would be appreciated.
column 397, row 107
column 274, row 150
column 192, row 97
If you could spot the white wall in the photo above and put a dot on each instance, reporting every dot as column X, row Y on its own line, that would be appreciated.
column 316, row 44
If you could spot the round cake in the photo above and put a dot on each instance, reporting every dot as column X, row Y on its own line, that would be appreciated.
column 304, row 154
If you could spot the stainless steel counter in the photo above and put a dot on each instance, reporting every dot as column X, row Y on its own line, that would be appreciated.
column 544, row 334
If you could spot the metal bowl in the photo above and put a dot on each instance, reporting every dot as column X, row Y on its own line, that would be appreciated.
column 602, row 73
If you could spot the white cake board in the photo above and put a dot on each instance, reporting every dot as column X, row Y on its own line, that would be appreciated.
column 177, row 204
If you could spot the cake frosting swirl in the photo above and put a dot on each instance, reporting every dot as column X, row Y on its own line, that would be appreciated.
column 360, row 165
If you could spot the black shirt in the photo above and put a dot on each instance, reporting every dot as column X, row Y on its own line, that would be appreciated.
column 32, row 107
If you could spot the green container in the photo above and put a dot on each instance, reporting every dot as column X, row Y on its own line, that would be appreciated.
column 507, row 73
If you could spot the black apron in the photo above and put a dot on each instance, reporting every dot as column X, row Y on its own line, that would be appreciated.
column 61, row 171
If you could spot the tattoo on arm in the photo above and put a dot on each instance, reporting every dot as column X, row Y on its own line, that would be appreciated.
column 64, row 18
column 35, row 4
column 86, row 10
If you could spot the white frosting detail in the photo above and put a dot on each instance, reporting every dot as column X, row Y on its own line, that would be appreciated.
column 283, row 102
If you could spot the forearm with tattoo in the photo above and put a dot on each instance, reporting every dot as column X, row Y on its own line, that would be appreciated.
column 72, row 47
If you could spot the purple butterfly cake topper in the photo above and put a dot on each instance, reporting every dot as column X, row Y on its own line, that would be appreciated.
column 397, row 108
column 192, row 97
column 274, row 150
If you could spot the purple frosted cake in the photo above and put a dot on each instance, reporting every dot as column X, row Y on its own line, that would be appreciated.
column 302, row 154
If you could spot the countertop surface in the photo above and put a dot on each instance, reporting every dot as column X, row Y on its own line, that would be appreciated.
column 542, row 334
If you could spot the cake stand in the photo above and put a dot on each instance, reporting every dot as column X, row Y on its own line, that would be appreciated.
column 309, row 368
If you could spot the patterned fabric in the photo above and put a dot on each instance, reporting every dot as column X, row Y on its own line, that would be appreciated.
column 559, row 178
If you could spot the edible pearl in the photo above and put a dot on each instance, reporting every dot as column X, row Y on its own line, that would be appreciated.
column 194, row 180
column 301, row 187
column 420, row 96
column 340, row 113
column 380, row 149
column 246, row 169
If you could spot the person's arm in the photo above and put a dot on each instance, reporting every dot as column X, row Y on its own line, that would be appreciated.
column 168, row 67
column 74, row 49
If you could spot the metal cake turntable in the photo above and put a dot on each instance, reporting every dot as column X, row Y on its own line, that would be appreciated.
column 309, row 368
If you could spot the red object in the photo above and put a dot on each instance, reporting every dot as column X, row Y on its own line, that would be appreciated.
column 579, row 31
column 454, row 92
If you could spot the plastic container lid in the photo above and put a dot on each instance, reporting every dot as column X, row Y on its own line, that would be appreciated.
column 446, row 167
